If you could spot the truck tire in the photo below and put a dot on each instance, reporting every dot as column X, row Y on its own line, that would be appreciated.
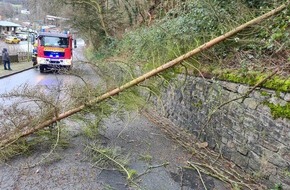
column 41, row 68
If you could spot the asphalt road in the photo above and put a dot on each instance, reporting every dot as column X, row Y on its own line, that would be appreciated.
column 158, row 160
column 32, row 78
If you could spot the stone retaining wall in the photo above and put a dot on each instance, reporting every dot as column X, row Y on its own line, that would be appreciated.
column 19, row 57
column 244, row 130
column 13, row 58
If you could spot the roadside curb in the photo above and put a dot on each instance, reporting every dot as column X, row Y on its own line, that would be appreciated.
column 16, row 72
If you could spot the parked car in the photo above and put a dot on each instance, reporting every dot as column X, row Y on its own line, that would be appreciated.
column 22, row 36
column 12, row 40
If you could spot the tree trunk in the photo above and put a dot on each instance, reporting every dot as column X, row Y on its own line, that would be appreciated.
column 12, row 138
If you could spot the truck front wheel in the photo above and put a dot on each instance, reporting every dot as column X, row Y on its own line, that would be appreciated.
column 41, row 68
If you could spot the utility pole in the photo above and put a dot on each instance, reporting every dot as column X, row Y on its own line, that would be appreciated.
column 28, row 39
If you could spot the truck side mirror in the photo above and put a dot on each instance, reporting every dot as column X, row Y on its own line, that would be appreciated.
column 75, row 43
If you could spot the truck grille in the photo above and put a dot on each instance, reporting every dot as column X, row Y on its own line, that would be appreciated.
column 53, row 54
column 54, row 61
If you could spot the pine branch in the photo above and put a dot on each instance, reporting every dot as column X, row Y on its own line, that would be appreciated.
column 12, row 137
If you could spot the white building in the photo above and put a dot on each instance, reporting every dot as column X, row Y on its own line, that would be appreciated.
column 7, row 27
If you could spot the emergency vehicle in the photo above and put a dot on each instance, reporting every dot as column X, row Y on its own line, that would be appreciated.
column 53, row 51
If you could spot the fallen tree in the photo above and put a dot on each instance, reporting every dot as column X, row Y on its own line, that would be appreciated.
column 11, row 138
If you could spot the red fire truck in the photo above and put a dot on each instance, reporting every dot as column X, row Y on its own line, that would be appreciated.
column 53, row 51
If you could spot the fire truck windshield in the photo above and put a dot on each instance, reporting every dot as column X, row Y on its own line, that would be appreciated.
column 53, row 41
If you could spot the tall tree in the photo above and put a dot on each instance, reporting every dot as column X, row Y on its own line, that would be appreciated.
column 7, row 10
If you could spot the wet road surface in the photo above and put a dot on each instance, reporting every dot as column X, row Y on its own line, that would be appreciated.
column 137, row 137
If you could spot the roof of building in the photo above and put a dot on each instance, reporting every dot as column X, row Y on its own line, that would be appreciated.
column 7, row 23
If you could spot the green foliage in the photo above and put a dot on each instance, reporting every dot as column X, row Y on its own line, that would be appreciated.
column 195, row 23
column 132, row 173
column 187, row 26
column 184, row 26
column 278, row 186
column 279, row 111
column 42, row 140
column 124, row 101
column 146, row 158
column 271, row 37
column 106, row 157
column 258, row 3
column 276, row 32
column 251, row 78
column 263, row 93
column 46, row 138
column 181, row 30
column 278, row 83
column 287, row 173
column 93, row 119
column 91, row 130
column 18, row 148
column 100, row 154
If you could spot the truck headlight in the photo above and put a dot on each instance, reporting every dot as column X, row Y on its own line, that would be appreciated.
column 41, row 60
column 67, row 62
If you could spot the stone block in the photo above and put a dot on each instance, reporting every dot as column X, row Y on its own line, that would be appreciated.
column 243, row 149
column 226, row 152
column 242, row 89
column 199, row 87
column 254, row 161
column 212, row 142
column 270, row 144
column 277, row 101
column 239, row 138
column 257, row 95
column 276, row 159
column 287, row 97
column 224, row 140
column 285, row 153
column 233, row 87
column 231, row 145
column 251, row 136
column 251, row 103
column 256, row 148
column 232, row 96
column 268, row 169
column 227, row 122
column 275, row 134
column 240, row 160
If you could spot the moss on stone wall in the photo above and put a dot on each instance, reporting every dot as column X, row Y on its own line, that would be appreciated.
column 279, row 111
column 277, row 83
